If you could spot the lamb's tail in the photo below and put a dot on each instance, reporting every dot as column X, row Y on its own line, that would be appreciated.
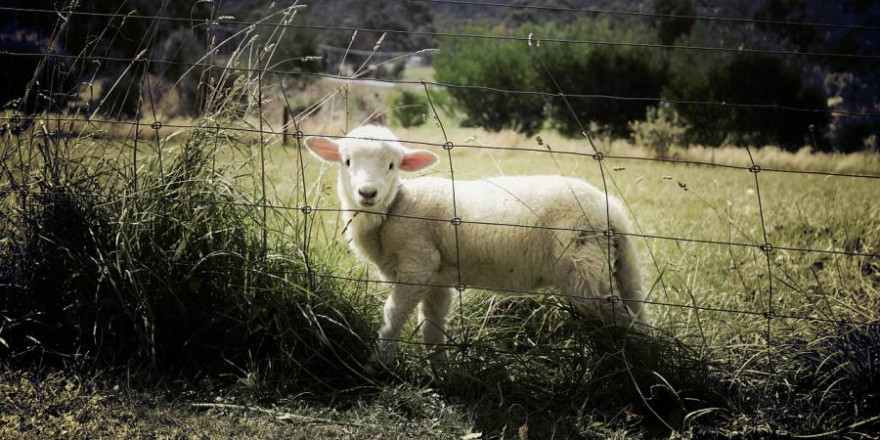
column 628, row 274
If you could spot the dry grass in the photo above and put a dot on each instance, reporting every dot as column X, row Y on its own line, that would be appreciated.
column 54, row 406
column 678, row 201
column 733, row 373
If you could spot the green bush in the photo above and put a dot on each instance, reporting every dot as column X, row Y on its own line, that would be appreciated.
column 749, row 79
column 572, row 69
column 443, row 102
column 611, row 79
column 661, row 129
column 601, row 70
column 408, row 109
column 494, row 64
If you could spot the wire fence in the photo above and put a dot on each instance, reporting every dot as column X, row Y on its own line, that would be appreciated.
column 20, row 128
column 386, row 31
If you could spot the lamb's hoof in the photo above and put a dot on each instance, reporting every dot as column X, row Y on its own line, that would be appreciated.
column 438, row 362
column 378, row 365
column 377, row 370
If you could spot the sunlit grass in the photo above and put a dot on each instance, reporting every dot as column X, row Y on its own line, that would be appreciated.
column 744, row 340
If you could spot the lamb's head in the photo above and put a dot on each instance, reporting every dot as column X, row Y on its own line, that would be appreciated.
column 370, row 158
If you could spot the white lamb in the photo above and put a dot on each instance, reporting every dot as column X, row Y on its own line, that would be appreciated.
column 552, row 234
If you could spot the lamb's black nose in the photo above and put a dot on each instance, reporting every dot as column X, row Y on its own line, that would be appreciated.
column 368, row 193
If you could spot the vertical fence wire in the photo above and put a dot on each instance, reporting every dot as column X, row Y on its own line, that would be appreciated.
column 137, row 132
column 455, row 221
column 156, row 125
column 766, row 248
column 305, row 208
column 308, row 211
column 613, row 299
column 260, row 72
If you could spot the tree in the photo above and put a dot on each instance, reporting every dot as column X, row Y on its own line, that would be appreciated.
column 495, row 64
column 613, row 72
column 803, row 37
column 607, row 71
column 670, row 28
column 773, row 89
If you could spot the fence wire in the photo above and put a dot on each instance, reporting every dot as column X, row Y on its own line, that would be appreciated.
column 595, row 11
column 15, row 129
column 300, row 73
column 13, row 123
column 389, row 31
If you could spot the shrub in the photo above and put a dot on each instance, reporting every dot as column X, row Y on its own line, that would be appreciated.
column 600, row 70
column 572, row 69
column 603, row 71
column 408, row 109
column 443, row 102
column 495, row 64
column 661, row 129
column 752, row 80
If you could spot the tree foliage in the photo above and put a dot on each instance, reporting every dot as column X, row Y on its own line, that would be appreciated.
column 551, row 67
column 494, row 64
column 670, row 28
column 408, row 109
column 601, row 71
column 762, row 91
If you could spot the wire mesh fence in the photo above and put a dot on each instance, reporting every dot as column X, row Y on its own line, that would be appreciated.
column 253, row 42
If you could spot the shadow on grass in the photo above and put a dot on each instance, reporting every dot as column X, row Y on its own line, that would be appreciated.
column 613, row 384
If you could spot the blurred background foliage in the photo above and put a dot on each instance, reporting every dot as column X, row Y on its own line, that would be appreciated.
column 813, row 83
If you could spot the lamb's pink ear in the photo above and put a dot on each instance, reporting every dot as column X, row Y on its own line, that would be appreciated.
column 324, row 148
column 415, row 160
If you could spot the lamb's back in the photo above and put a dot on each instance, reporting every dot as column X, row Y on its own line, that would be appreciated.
column 512, row 230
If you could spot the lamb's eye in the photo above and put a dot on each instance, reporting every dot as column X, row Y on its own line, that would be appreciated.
column 348, row 162
column 391, row 166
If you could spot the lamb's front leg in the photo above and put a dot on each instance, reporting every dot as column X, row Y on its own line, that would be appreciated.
column 417, row 263
column 398, row 307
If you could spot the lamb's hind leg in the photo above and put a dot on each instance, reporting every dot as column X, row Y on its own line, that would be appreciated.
column 432, row 320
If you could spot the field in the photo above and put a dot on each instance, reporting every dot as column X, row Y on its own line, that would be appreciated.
column 748, row 343
column 173, row 263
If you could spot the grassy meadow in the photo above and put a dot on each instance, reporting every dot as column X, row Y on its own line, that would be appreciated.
column 202, row 328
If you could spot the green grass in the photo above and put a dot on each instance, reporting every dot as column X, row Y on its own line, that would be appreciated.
column 704, row 373
column 151, row 306
column 710, row 372
column 418, row 73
